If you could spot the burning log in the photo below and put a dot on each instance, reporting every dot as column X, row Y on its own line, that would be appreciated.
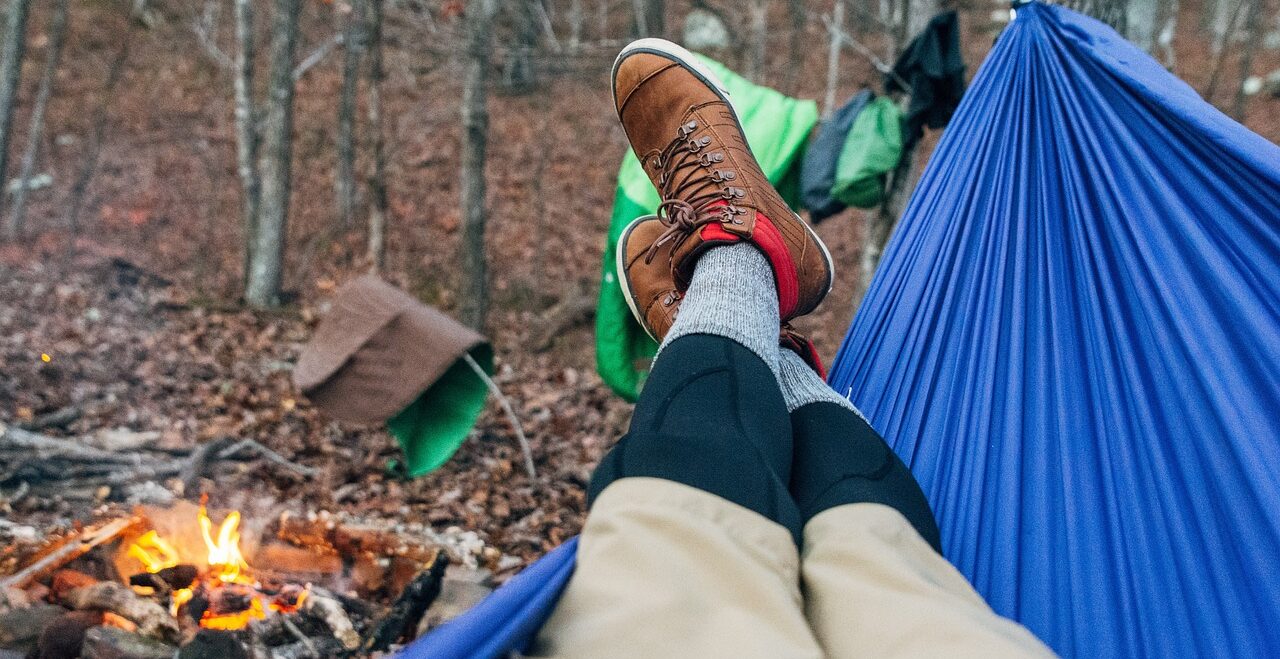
column 152, row 619
column 403, row 617
column 167, row 579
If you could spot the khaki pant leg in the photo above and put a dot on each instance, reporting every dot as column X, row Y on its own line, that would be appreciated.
column 874, row 588
column 666, row 570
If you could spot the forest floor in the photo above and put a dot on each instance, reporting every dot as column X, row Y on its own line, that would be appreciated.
column 137, row 312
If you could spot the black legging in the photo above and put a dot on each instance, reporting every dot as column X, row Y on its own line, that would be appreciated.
column 711, row 416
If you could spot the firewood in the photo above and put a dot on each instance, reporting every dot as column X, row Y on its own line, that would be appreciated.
column 352, row 538
column 179, row 576
column 68, row 552
column 152, row 619
column 324, row 606
column 402, row 619
column 65, row 581
column 323, row 647
column 58, row 418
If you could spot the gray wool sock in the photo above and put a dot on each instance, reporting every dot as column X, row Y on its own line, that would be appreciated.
column 802, row 386
column 733, row 295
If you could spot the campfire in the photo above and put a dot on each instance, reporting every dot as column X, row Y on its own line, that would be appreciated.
column 218, row 592
column 189, row 580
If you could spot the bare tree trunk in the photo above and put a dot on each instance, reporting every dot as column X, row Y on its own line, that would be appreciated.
column 651, row 18
column 759, row 11
column 833, row 58
column 378, row 180
column 1111, row 12
column 275, row 161
column 246, row 128
column 517, row 65
column 1252, row 35
column 881, row 221
column 1168, row 29
column 918, row 15
column 35, row 130
column 795, row 57
column 11, row 53
column 1219, row 18
column 345, row 172
column 90, row 165
column 475, row 127
column 575, row 26
column 1142, row 20
column 1220, row 50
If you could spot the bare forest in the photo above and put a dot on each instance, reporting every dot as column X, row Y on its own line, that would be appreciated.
column 186, row 183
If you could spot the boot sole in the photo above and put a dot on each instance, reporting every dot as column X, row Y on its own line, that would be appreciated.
column 624, row 280
column 692, row 64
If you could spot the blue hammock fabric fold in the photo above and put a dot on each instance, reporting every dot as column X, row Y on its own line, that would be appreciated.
column 1074, row 342
column 508, row 620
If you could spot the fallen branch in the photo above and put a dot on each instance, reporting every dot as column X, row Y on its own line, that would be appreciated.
column 68, row 552
column 574, row 310
column 511, row 415
column 267, row 453
column 59, row 418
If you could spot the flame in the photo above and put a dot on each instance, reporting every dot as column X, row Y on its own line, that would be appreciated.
column 226, row 566
column 153, row 552
column 237, row 620
column 225, row 560
column 180, row 596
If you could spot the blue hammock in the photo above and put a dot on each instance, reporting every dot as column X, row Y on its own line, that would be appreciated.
column 1074, row 342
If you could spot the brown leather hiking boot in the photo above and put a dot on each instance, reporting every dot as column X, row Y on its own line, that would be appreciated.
column 646, row 283
column 688, row 137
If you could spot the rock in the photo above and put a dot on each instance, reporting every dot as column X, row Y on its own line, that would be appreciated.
column 14, row 598
column 63, row 637
column 66, row 580
column 114, row 643
column 152, row 619
column 457, row 595
column 22, row 626
column 214, row 644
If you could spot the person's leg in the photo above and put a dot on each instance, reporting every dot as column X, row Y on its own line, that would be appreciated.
column 874, row 580
column 689, row 549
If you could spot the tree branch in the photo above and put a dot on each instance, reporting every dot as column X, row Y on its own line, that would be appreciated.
column 317, row 55
column 203, row 26
column 511, row 414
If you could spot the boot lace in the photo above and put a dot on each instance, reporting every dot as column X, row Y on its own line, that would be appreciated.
column 694, row 191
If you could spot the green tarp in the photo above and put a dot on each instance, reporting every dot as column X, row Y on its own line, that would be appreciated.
column 777, row 128
column 432, row 428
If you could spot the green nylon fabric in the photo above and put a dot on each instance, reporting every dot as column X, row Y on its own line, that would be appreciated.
column 433, row 426
column 777, row 128
column 871, row 150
